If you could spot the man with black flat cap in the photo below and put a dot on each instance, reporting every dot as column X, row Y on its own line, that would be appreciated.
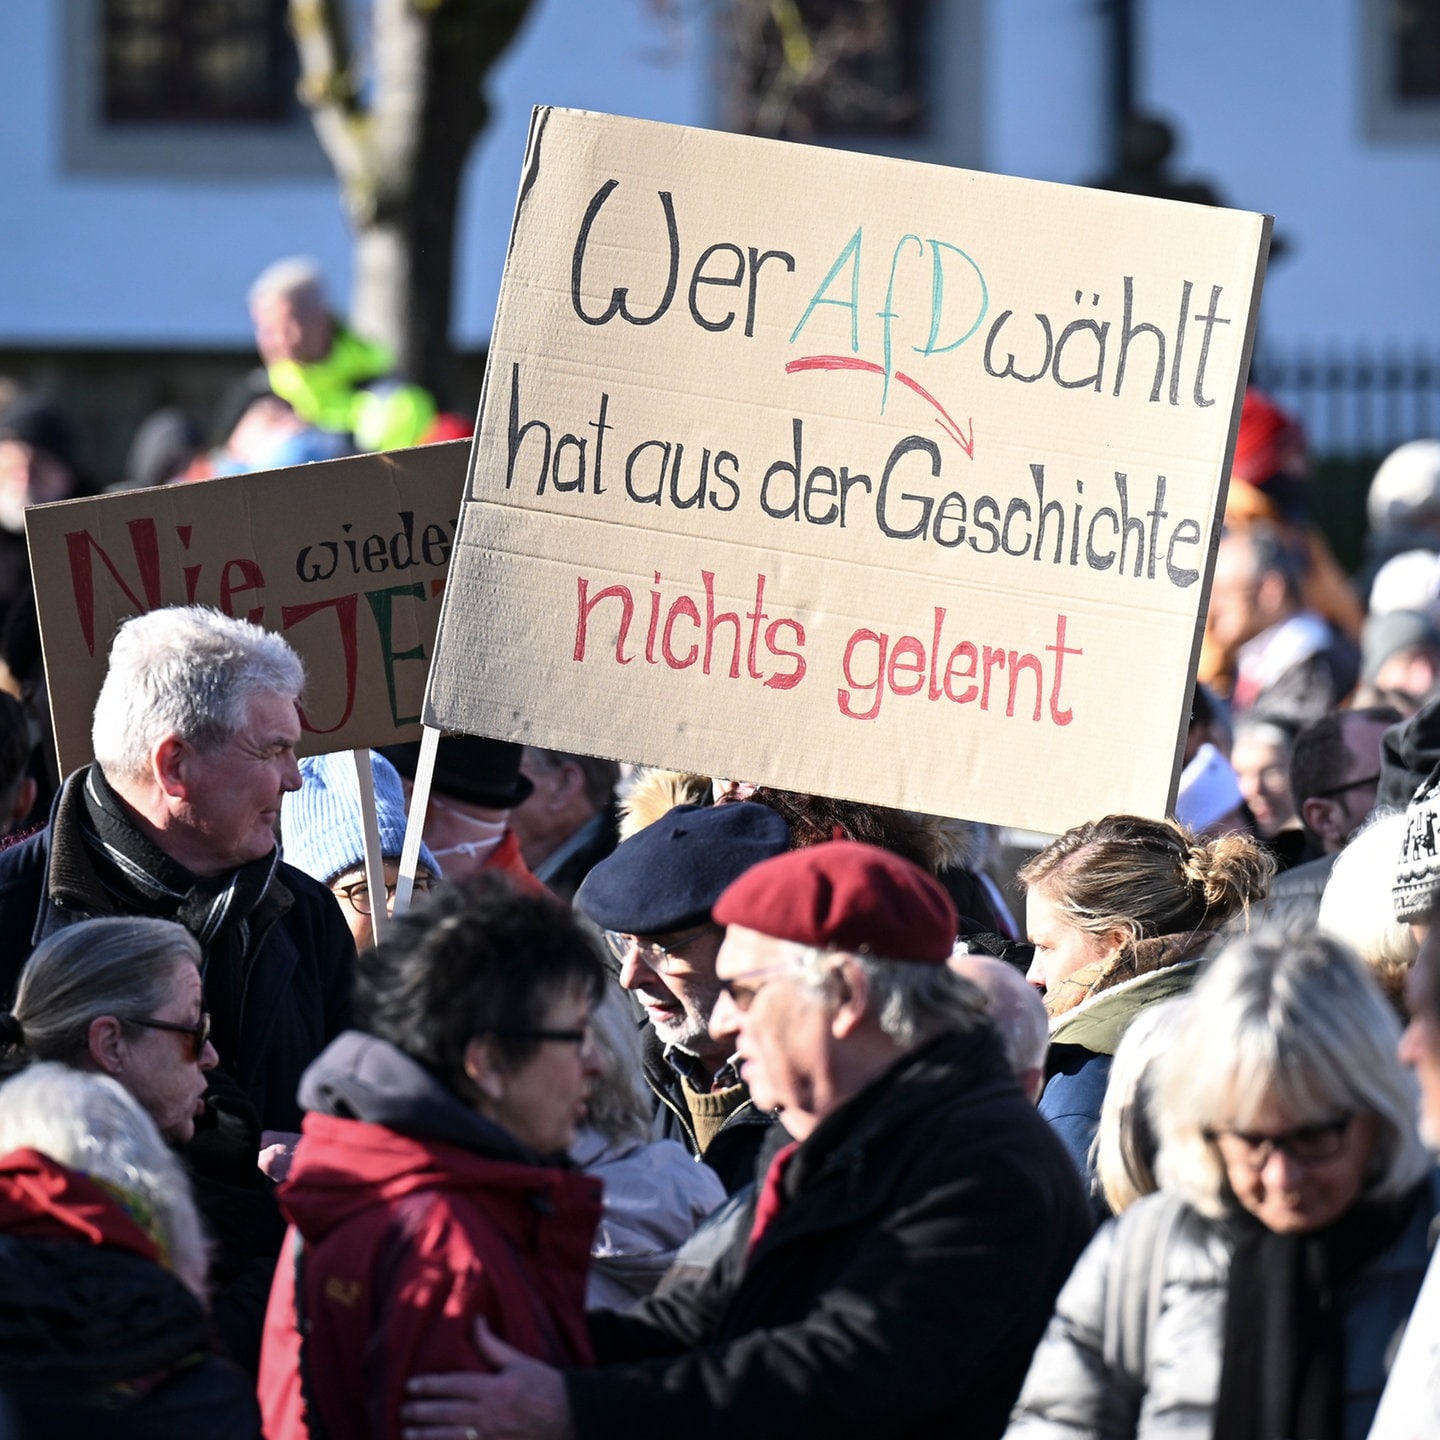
column 652, row 897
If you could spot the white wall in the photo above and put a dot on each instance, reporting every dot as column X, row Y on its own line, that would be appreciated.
column 1268, row 100
column 101, row 260
column 1266, row 94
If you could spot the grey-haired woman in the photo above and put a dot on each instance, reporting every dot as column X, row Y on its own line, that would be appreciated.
column 1260, row 1292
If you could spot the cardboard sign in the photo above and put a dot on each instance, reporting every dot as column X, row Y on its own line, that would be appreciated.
column 854, row 476
column 346, row 559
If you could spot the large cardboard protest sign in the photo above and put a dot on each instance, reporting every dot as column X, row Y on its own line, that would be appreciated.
column 878, row 480
column 347, row 559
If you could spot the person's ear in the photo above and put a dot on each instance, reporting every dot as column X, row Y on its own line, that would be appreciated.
column 484, row 1070
column 169, row 765
column 1114, row 941
column 849, row 995
column 569, row 786
column 106, row 1044
column 1326, row 819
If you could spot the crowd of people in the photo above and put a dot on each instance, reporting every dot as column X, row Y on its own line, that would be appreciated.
column 667, row 1103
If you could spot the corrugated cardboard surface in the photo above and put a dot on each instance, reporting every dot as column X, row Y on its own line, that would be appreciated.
column 347, row 559
column 962, row 333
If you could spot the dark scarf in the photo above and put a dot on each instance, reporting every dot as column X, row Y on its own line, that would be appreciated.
column 215, row 909
column 1283, row 1367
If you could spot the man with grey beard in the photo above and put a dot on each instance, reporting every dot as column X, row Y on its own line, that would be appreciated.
column 652, row 898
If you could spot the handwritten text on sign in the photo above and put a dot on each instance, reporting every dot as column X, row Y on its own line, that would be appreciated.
column 847, row 432
column 346, row 559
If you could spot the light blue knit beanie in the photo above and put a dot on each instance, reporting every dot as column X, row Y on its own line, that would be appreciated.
column 320, row 828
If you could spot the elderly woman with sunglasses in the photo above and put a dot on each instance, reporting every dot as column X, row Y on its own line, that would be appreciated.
column 122, row 996
column 1261, row 1291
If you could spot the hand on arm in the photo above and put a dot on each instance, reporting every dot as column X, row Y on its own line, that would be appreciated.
column 524, row 1399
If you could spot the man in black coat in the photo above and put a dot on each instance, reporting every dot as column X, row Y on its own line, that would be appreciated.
column 652, row 897
column 902, row 1254
column 194, row 736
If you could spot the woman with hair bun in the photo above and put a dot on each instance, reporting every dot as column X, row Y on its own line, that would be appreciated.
column 1120, row 911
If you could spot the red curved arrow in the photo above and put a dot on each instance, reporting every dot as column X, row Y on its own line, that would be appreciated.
column 854, row 362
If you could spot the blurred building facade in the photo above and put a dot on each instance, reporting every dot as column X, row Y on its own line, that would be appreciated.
column 151, row 166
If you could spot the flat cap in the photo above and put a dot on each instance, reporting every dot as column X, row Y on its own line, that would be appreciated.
column 846, row 896
column 469, row 768
column 669, row 875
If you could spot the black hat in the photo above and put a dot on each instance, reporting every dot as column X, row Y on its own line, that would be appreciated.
column 669, row 875
column 1416, row 889
column 1409, row 752
column 469, row 768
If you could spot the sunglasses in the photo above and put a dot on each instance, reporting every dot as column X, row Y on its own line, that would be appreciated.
column 199, row 1032
column 1349, row 785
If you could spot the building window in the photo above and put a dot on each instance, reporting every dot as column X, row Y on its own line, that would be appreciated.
column 1402, row 69
column 181, row 88
column 828, row 69
column 1415, row 53
column 169, row 61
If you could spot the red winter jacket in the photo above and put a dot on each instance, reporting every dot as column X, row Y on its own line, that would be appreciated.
column 406, row 1241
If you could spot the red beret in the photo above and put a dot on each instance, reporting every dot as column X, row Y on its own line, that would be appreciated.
column 1270, row 441
column 845, row 896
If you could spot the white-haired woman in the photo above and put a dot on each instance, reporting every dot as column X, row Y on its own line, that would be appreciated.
column 103, row 1327
column 1260, row 1292
column 122, row 996
column 656, row 1193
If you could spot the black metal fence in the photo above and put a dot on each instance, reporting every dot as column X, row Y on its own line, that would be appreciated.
column 1355, row 403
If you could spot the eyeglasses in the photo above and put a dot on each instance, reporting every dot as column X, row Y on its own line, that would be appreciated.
column 1305, row 1145
column 583, row 1037
column 358, row 894
column 199, row 1032
column 660, row 958
column 742, row 994
column 1335, row 790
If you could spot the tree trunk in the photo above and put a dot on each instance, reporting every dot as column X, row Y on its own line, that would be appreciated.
column 400, row 157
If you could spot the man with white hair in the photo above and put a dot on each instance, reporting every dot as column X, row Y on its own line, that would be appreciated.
column 332, row 378
column 194, row 738
column 901, row 1255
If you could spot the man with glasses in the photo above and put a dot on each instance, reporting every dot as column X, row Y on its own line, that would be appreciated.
column 652, row 897
column 1334, row 773
column 194, row 737
column 900, row 1259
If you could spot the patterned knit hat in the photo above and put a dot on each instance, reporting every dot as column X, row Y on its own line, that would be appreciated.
column 320, row 826
column 1416, row 891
